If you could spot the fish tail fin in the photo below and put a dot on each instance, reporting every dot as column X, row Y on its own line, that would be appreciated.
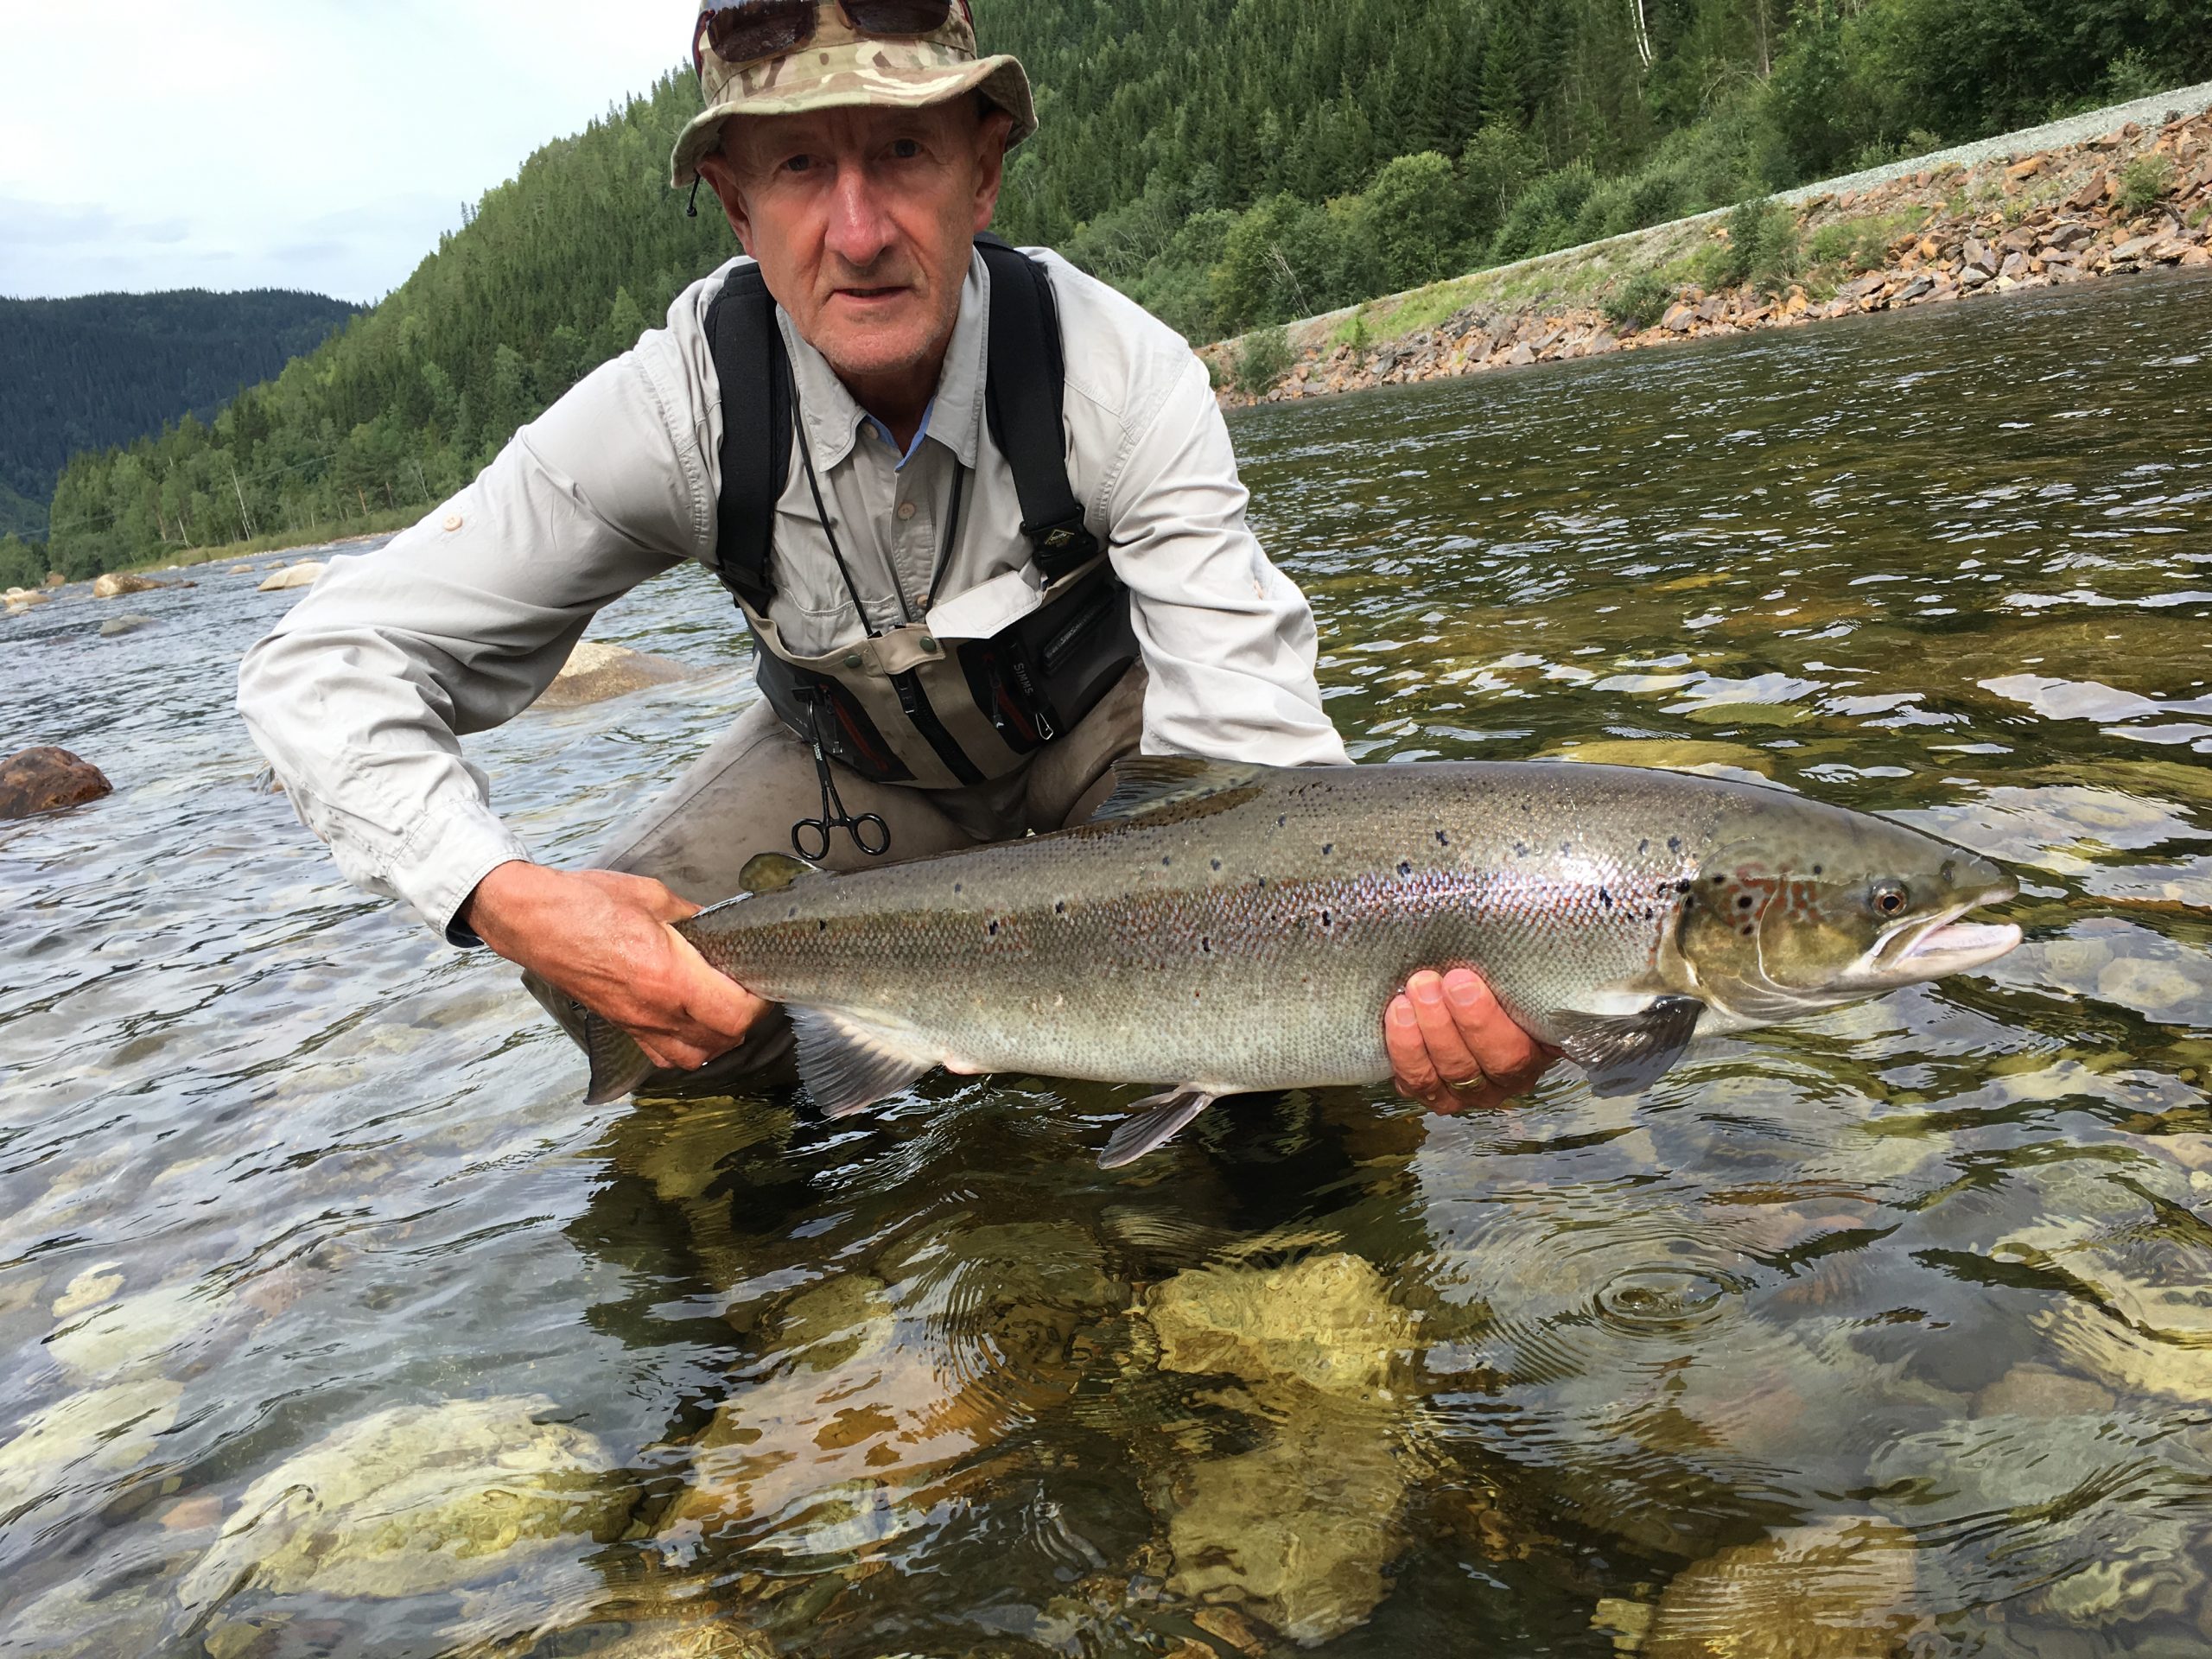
column 618, row 1064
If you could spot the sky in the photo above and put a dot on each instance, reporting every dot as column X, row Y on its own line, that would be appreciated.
column 247, row 144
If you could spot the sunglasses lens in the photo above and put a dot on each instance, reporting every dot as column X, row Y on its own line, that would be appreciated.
column 898, row 16
column 750, row 31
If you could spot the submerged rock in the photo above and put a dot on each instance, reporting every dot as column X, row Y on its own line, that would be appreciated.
column 1839, row 1589
column 414, row 1501
column 116, row 627
column 113, row 1429
column 48, row 780
column 20, row 600
column 1328, row 1322
column 117, row 585
column 123, row 1338
column 1302, row 1530
column 302, row 574
column 596, row 672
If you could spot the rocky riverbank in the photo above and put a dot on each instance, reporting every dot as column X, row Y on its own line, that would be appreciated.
column 2136, row 198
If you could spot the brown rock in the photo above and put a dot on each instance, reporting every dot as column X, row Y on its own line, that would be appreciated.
column 1521, row 356
column 1679, row 318
column 55, row 578
column 1839, row 1589
column 2198, row 256
column 2036, row 1391
column 2098, row 185
column 1227, row 1625
column 596, row 672
column 2020, row 172
column 114, row 585
column 47, row 780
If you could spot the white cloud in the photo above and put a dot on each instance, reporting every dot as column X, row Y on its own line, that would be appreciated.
column 248, row 144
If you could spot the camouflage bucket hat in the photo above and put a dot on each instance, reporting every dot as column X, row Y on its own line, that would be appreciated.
column 840, row 67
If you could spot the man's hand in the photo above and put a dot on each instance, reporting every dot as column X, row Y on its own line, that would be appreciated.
column 1455, row 1049
column 606, row 940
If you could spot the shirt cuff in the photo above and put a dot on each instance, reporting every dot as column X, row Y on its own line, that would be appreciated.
column 444, row 859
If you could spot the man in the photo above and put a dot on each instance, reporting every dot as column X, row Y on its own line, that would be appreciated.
column 908, row 600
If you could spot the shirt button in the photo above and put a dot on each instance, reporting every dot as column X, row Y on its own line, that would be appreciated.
column 452, row 522
column 907, row 510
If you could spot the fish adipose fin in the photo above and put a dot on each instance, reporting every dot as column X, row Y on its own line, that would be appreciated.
column 618, row 1064
column 1626, row 1054
column 1151, row 1129
column 848, row 1067
column 1146, row 784
column 771, row 872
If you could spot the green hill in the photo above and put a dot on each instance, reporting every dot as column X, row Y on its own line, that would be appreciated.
column 1228, row 163
column 86, row 374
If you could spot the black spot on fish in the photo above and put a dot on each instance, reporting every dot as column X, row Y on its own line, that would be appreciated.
column 1520, row 850
column 1566, row 846
column 1604, row 898
column 1816, row 869
column 1216, row 863
column 1167, row 863
column 1061, row 908
column 1643, row 846
column 995, row 929
column 1282, row 821
column 1673, row 843
column 1405, row 869
column 822, row 927
column 1206, row 945
column 959, row 888
column 1326, row 920
column 1681, row 887
column 1650, row 914
column 794, row 914
column 1749, row 930
column 1443, row 840
column 1719, row 881
column 1745, row 902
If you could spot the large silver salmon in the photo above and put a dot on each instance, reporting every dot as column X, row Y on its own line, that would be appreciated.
column 1225, row 929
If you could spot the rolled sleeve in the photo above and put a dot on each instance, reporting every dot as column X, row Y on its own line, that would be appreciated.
column 360, row 696
column 1229, row 640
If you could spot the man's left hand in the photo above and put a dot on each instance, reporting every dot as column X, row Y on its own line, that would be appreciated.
column 1455, row 1049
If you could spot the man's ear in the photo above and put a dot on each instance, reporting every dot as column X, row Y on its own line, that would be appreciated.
column 993, row 128
column 722, row 178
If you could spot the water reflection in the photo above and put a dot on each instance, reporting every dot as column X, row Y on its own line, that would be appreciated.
column 336, row 1325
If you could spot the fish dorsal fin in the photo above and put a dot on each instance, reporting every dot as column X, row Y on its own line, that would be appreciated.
column 771, row 872
column 847, row 1066
column 1626, row 1054
column 1146, row 784
column 1149, row 1130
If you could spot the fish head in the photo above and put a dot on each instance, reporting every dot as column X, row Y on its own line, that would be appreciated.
column 1832, row 909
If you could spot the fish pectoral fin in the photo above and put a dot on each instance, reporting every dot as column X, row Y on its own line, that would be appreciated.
column 849, row 1066
column 1626, row 1054
column 1144, row 783
column 1157, row 1121
column 618, row 1064
column 771, row 872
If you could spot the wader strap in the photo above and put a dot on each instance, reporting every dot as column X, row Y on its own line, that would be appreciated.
column 1023, row 390
column 756, row 457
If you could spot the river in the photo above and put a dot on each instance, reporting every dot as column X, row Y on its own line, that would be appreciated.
column 333, row 1323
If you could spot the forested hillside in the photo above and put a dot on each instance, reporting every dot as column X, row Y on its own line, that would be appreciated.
column 1229, row 162
column 85, row 373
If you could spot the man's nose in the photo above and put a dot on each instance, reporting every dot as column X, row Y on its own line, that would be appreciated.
column 860, row 232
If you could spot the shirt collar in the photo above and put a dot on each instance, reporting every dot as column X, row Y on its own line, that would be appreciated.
column 832, row 417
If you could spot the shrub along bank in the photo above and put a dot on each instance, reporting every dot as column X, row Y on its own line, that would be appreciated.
column 2127, row 200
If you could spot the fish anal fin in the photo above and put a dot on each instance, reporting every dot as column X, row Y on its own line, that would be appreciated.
column 1626, row 1054
column 1152, row 1124
column 771, row 872
column 1147, row 784
column 849, row 1066
column 618, row 1064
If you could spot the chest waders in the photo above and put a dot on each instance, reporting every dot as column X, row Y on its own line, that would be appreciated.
column 901, row 706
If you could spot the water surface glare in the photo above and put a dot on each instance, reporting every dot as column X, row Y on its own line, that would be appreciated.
column 332, row 1323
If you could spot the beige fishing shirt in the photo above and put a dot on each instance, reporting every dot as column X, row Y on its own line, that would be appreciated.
column 361, row 695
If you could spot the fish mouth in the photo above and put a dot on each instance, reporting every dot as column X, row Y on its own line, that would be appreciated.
column 1941, row 944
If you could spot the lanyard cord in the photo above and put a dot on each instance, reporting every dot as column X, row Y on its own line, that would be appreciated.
column 822, row 513
column 951, row 534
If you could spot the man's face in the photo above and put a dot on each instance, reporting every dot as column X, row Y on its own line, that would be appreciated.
column 863, row 220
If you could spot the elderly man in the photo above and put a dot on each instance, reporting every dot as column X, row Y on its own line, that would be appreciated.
column 979, row 512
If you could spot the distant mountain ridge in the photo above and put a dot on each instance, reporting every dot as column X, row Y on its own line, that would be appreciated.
column 93, row 373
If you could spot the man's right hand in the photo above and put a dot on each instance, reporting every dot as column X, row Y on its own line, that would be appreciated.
column 607, row 940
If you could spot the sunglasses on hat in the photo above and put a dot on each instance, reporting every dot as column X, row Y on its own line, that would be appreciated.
column 740, row 32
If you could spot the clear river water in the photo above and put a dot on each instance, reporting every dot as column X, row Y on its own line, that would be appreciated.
column 333, row 1323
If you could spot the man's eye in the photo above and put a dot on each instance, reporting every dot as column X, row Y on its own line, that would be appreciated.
column 799, row 164
column 906, row 149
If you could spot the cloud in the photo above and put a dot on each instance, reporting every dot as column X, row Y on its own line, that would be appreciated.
column 262, row 143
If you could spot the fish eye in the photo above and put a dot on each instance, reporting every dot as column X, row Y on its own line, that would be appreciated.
column 1890, row 898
